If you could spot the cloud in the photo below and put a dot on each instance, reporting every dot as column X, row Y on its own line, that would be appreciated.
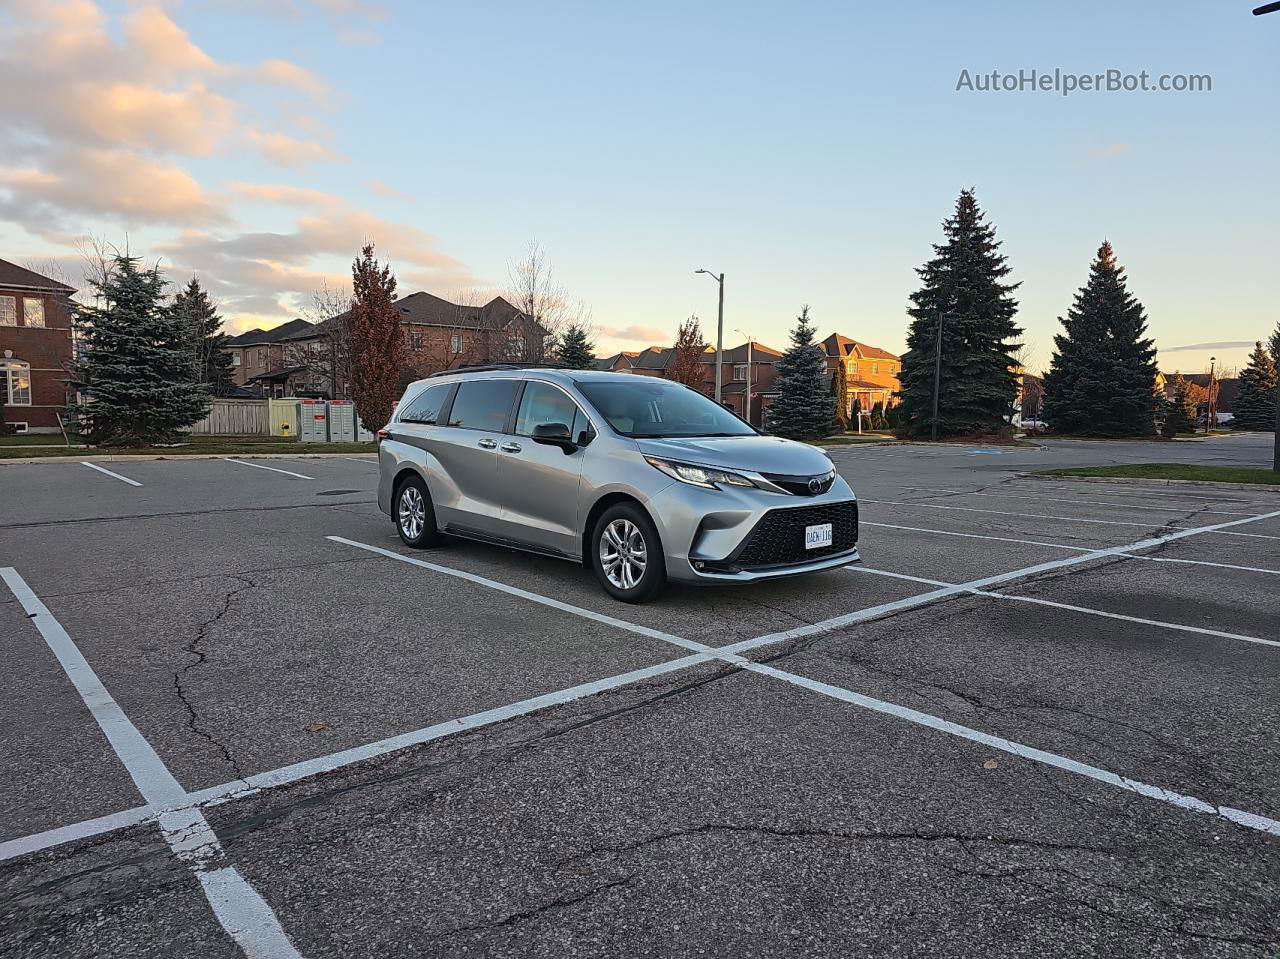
column 286, row 74
column 289, row 151
column 284, row 195
column 649, row 335
column 110, row 183
column 385, row 189
column 1110, row 150
column 1225, row 345
column 166, row 46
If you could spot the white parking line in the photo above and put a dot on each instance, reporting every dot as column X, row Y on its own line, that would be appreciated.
column 1182, row 627
column 122, row 479
column 1060, row 485
column 1078, row 549
column 729, row 655
column 997, row 512
column 245, row 916
column 273, row 469
column 1079, row 502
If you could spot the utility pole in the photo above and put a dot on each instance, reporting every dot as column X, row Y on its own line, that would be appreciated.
column 719, row 332
column 937, row 377
column 1208, row 413
column 750, row 370
column 1275, row 455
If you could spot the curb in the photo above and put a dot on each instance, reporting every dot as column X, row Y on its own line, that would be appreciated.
column 1137, row 481
column 145, row 457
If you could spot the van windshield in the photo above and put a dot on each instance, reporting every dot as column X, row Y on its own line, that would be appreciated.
column 652, row 408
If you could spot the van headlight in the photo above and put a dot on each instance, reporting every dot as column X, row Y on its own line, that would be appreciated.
column 702, row 476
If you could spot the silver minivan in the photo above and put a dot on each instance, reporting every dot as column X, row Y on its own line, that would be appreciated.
column 639, row 478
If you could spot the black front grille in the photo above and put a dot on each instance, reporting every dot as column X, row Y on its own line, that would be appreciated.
column 778, row 539
column 799, row 485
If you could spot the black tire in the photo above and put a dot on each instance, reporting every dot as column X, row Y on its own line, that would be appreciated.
column 417, row 527
column 644, row 535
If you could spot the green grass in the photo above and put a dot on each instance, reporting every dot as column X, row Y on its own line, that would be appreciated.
column 32, row 439
column 1176, row 471
column 196, row 446
column 852, row 439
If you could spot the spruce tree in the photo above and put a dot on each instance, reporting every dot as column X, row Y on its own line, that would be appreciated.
column 1255, row 404
column 576, row 350
column 964, row 288
column 202, row 327
column 1103, row 375
column 804, row 408
column 1180, row 417
column 1273, row 346
column 134, row 371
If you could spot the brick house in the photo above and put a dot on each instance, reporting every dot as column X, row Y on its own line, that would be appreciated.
column 35, row 348
column 733, row 388
column 618, row 362
column 258, row 358
column 871, row 374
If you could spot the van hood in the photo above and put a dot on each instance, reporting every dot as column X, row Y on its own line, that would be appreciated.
column 760, row 454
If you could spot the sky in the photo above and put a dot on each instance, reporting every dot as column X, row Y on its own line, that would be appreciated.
column 808, row 150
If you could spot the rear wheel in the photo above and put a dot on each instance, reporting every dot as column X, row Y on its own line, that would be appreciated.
column 414, row 517
column 626, row 554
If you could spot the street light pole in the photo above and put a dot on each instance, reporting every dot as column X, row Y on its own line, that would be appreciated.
column 1208, row 413
column 937, row 377
column 719, row 332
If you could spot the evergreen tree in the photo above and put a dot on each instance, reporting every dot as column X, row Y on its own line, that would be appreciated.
column 577, row 352
column 964, row 288
column 378, row 351
column 1180, row 416
column 1273, row 346
column 1255, row 404
column 877, row 416
column 804, row 408
column 202, row 329
column 1103, row 373
column 686, row 366
column 134, row 371
column 840, row 396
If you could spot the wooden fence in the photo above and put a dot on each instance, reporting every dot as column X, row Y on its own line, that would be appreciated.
column 238, row 417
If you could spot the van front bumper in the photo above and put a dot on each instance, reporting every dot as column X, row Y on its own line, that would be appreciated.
column 744, row 535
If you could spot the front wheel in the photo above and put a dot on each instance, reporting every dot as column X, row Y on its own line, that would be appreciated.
column 626, row 554
column 415, row 519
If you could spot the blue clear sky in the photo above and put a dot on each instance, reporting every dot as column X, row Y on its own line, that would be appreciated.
column 809, row 150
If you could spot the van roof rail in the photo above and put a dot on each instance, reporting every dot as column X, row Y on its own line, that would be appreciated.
column 490, row 367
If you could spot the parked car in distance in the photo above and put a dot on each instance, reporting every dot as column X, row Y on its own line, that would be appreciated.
column 640, row 479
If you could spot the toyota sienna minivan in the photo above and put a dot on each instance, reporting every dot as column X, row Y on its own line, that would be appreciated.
column 641, row 479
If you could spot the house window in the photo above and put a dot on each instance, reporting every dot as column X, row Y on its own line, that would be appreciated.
column 17, row 378
column 517, row 345
column 416, row 342
column 33, row 311
column 853, row 369
column 740, row 372
column 235, row 358
column 455, row 343
column 8, row 311
column 875, row 369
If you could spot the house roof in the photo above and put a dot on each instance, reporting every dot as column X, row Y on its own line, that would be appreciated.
column 19, row 276
column 864, row 385
column 607, row 362
column 430, row 310
column 738, row 354
column 294, row 329
column 279, row 375
column 654, row 358
column 839, row 345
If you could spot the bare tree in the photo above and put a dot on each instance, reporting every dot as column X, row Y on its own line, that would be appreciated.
column 535, row 292
column 327, row 353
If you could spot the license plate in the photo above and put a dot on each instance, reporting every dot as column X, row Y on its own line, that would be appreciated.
column 815, row 537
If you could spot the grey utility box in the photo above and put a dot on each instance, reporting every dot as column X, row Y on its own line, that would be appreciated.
column 342, row 421
column 313, row 421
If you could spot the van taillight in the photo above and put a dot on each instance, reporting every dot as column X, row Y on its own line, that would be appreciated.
column 383, row 435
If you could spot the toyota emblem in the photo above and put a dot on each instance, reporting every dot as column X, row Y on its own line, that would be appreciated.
column 815, row 485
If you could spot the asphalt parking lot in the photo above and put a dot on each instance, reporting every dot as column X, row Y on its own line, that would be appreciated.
column 238, row 717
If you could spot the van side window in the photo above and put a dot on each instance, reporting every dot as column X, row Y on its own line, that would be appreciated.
column 483, row 405
column 425, row 407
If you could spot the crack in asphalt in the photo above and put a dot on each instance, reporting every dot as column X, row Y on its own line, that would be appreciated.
column 563, row 902
column 194, row 649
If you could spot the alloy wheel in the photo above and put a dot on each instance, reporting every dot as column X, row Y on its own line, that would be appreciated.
column 623, row 553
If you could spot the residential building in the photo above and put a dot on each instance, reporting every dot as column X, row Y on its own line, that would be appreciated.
column 35, row 348
column 871, row 374
column 751, row 364
column 258, row 358
column 618, row 363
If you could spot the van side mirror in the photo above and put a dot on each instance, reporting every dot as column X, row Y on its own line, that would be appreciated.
column 554, row 434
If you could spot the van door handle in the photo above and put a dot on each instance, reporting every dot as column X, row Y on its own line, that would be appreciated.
column 511, row 447
column 488, row 444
